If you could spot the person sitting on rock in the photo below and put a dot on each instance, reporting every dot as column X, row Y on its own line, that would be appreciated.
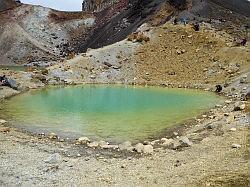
column 175, row 21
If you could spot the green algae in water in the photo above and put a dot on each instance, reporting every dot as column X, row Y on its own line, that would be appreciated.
column 101, row 112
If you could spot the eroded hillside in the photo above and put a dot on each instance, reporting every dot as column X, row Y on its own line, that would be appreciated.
column 39, row 35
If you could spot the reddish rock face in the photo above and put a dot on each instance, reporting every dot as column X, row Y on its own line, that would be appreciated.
column 99, row 5
column 7, row 4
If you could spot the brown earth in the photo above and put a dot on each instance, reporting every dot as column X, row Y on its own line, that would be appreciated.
column 180, row 55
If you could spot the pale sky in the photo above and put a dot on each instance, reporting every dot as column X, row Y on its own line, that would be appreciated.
column 66, row 5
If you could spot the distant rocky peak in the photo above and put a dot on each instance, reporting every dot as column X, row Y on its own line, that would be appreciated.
column 98, row 5
column 8, row 4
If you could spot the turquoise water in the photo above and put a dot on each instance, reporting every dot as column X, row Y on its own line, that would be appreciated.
column 101, row 112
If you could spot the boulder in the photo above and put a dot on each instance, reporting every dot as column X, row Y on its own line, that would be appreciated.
column 116, row 67
column 53, row 159
column 243, row 80
column 180, row 143
column 138, row 37
column 236, row 146
column 92, row 76
column 228, row 101
column 103, row 144
column 52, row 136
column 13, row 84
column 148, row 149
column 178, row 51
column 109, row 147
column 4, row 129
column 2, row 121
column 166, row 142
column 239, row 106
column 93, row 144
column 107, row 64
column 185, row 142
column 83, row 140
column 175, row 144
column 233, row 129
column 125, row 146
column 139, row 147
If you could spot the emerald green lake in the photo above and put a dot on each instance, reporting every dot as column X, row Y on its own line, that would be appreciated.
column 102, row 112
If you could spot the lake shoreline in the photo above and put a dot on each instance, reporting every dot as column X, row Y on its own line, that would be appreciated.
column 200, row 132
column 166, row 131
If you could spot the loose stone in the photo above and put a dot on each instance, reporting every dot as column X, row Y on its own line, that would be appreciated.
column 167, row 142
column 233, row 129
column 236, row 146
column 93, row 144
column 2, row 121
column 54, row 158
column 125, row 146
column 139, row 147
column 4, row 129
column 185, row 141
column 52, row 136
column 148, row 149
column 239, row 106
column 82, row 140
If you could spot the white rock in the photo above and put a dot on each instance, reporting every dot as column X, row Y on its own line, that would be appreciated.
column 239, row 106
column 175, row 133
column 52, row 135
column 125, row 146
column 242, row 107
column 92, row 76
column 5, row 129
column 83, row 140
column 2, row 121
column 228, row 101
column 103, row 143
column 233, row 129
column 236, row 146
column 54, row 158
column 139, row 147
column 167, row 142
column 185, row 141
column 175, row 144
column 148, row 149
column 93, row 144
column 110, row 147
column 163, row 139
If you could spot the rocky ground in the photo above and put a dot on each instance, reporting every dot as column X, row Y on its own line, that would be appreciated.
column 211, row 150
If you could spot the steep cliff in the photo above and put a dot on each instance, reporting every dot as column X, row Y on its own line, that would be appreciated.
column 98, row 5
column 38, row 34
